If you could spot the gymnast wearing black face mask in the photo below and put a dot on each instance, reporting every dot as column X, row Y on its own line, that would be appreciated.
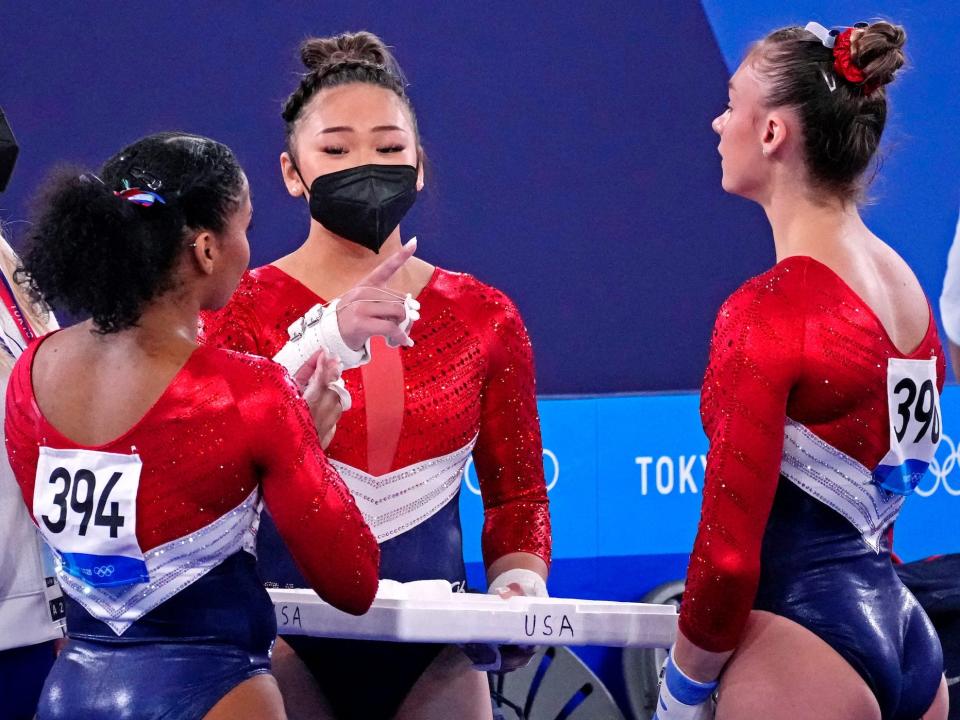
column 458, row 380
column 364, row 204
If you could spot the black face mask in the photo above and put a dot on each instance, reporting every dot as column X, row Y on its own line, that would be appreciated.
column 363, row 204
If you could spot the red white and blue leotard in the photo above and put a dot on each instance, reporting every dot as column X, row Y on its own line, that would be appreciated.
column 795, row 405
column 229, row 429
column 467, row 385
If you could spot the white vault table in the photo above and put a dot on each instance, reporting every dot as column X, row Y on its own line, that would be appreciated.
column 429, row 611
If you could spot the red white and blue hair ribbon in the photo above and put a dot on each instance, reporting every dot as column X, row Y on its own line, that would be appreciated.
column 144, row 198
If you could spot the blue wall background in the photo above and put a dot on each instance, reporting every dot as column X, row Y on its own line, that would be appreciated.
column 572, row 160
column 573, row 163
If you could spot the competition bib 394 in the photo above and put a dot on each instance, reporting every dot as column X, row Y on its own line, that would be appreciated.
column 85, row 505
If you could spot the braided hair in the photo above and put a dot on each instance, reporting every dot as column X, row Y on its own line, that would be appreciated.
column 359, row 57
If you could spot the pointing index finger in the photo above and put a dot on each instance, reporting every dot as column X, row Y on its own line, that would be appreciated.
column 385, row 270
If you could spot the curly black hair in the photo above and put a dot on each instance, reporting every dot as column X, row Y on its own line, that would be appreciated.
column 98, row 255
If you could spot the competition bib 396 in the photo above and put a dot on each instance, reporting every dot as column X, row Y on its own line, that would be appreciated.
column 913, row 404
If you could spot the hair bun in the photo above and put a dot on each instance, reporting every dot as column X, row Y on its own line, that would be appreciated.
column 879, row 52
column 318, row 54
column 358, row 57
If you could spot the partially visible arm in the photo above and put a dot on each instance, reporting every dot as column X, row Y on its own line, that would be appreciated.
column 954, row 358
column 950, row 302
column 756, row 359
column 509, row 460
column 233, row 327
column 509, row 452
column 701, row 665
column 311, row 506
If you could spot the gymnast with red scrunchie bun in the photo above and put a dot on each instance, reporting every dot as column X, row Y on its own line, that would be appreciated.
column 821, row 405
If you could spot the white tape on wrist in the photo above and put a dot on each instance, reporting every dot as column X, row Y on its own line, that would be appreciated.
column 669, row 708
column 318, row 329
column 682, row 697
column 529, row 581
column 346, row 402
column 333, row 340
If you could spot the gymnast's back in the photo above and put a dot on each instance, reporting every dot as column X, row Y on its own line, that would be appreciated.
column 154, row 531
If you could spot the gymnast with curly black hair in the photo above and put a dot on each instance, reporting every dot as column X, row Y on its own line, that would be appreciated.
column 143, row 457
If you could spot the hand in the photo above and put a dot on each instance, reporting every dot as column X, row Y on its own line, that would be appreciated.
column 500, row 658
column 369, row 308
column 314, row 379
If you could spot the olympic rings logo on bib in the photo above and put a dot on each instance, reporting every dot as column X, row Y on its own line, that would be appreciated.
column 913, row 405
column 103, row 571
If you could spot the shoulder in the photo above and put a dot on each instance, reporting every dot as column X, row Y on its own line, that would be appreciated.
column 246, row 375
column 259, row 286
column 774, row 295
column 484, row 302
column 20, row 379
column 19, row 389
column 250, row 319
column 762, row 325
column 22, row 417
column 238, row 307
column 490, row 315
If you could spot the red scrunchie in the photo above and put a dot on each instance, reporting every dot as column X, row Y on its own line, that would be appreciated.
column 843, row 62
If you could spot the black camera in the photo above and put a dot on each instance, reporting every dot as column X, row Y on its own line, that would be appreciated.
column 8, row 152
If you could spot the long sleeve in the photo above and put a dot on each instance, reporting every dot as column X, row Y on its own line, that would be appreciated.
column 311, row 506
column 509, row 451
column 756, row 359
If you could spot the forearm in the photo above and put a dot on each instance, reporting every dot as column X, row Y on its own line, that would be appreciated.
column 699, row 664
column 515, row 526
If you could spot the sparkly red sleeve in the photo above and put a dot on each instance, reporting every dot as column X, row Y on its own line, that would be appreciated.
column 509, row 452
column 233, row 327
column 314, row 511
column 755, row 359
